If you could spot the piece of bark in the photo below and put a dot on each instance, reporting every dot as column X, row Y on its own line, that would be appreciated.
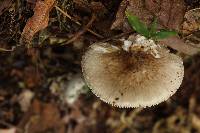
column 37, row 22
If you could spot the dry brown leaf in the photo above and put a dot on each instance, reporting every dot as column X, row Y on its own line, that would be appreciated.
column 120, row 16
column 42, row 117
column 169, row 13
column 178, row 44
column 192, row 21
column 37, row 22
column 136, row 8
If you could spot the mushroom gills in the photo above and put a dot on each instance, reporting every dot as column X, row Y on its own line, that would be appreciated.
column 133, row 78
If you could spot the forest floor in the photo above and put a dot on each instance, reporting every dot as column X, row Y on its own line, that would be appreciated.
column 41, row 84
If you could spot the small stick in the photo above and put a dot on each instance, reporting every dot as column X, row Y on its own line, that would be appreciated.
column 77, row 35
column 117, row 36
column 7, row 50
column 78, row 23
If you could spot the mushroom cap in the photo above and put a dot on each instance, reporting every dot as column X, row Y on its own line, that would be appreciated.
column 131, row 79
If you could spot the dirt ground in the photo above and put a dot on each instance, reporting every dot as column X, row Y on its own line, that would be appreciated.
column 41, row 84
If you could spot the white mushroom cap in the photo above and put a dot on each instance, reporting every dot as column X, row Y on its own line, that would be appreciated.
column 131, row 79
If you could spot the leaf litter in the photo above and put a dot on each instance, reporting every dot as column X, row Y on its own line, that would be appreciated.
column 47, row 113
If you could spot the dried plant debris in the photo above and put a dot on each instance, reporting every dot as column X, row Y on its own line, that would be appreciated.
column 144, row 75
column 170, row 13
column 192, row 21
column 193, row 39
column 4, row 4
column 42, row 117
column 173, row 42
column 175, row 123
column 37, row 22
column 11, row 130
column 179, row 45
column 25, row 99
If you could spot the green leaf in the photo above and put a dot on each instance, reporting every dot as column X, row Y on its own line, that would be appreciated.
column 137, row 25
column 153, row 28
column 164, row 34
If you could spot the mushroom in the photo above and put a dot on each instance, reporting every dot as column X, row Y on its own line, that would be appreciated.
column 138, row 75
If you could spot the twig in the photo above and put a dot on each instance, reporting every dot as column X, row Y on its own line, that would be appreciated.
column 77, row 35
column 78, row 23
column 117, row 36
column 7, row 50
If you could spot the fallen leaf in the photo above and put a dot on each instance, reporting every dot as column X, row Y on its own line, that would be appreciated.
column 179, row 45
column 37, row 22
column 120, row 16
column 192, row 21
column 41, row 117
column 170, row 13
